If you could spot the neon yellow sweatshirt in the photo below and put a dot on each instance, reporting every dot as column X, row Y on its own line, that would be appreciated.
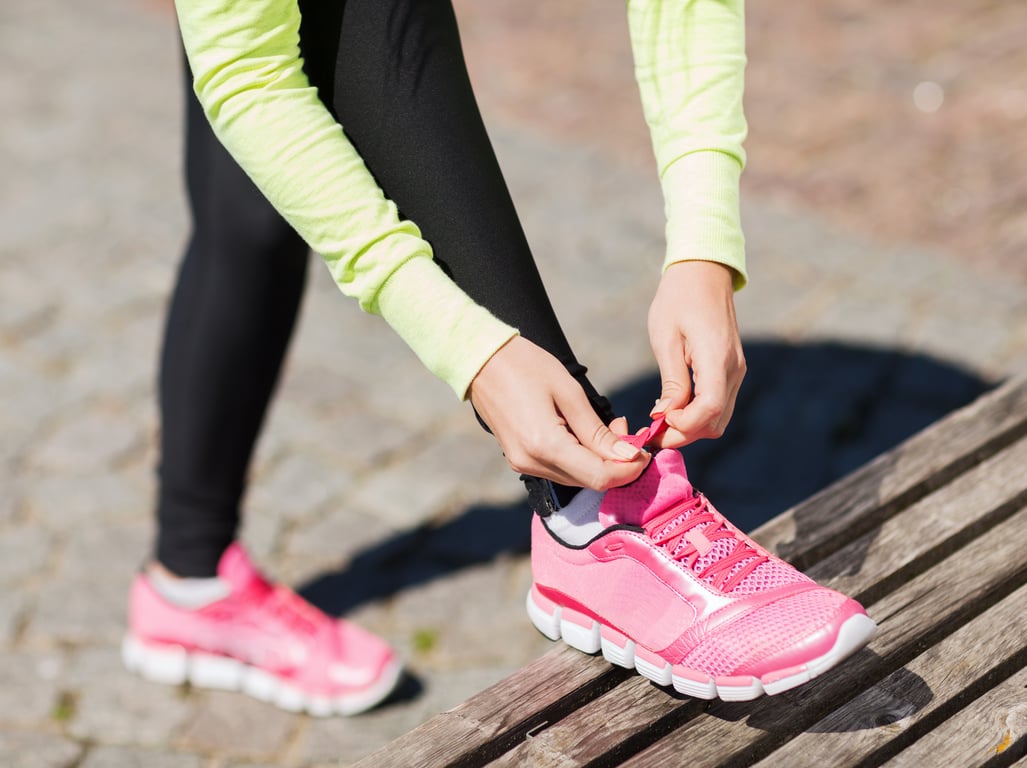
column 245, row 58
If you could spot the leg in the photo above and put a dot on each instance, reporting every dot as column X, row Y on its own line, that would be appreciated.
column 231, row 317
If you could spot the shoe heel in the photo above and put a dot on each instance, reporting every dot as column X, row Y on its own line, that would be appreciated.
column 167, row 664
column 544, row 614
column 580, row 632
column 555, row 622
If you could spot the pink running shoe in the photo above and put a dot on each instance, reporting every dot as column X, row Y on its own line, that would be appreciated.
column 674, row 590
column 262, row 639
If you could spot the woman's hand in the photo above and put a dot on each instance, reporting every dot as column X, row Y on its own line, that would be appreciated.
column 545, row 424
column 694, row 336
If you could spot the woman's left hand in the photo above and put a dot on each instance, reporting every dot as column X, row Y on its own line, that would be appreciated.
column 694, row 336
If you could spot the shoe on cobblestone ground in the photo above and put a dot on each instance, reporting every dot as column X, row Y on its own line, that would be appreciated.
column 672, row 589
column 261, row 639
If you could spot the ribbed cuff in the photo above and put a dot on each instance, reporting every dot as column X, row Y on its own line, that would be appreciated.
column 451, row 334
column 700, row 191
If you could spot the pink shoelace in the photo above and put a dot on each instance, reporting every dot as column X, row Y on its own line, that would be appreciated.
column 700, row 527
column 694, row 536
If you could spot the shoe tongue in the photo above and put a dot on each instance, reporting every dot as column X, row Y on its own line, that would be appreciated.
column 663, row 483
column 237, row 569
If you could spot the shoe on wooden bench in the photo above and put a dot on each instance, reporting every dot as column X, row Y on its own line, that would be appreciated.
column 671, row 588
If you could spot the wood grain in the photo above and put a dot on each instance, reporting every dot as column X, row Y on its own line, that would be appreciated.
column 896, row 479
column 917, row 537
column 994, row 726
column 492, row 721
column 887, row 717
column 618, row 724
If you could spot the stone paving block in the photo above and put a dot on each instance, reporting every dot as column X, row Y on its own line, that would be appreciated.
column 66, row 502
column 13, row 607
column 356, row 439
column 471, row 617
column 113, row 706
column 26, row 550
column 977, row 341
column 334, row 333
column 126, row 370
column 261, row 533
column 28, row 398
column 335, row 538
column 85, row 602
column 30, row 688
column 407, row 392
column 133, row 757
column 93, row 437
column 321, row 388
column 17, row 315
column 30, row 749
column 417, row 487
column 770, row 305
column 76, row 609
column 235, row 725
column 304, row 482
column 343, row 741
column 110, row 552
column 853, row 316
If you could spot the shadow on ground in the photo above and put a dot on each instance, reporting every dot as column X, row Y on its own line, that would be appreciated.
column 806, row 415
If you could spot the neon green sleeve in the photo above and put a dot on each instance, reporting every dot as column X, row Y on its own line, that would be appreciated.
column 249, row 78
column 690, row 68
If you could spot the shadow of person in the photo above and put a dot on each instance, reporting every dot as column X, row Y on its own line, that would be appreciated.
column 807, row 414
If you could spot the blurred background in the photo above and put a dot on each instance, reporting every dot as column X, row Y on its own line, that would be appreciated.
column 884, row 211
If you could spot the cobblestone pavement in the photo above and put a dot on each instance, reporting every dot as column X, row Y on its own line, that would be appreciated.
column 873, row 310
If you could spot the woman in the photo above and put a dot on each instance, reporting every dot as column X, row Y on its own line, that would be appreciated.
column 356, row 120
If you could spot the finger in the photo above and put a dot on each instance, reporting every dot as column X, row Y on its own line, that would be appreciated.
column 619, row 426
column 675, row 378
column 590, row 431
column 669, row 437
column 575, row 465
column 701, row 418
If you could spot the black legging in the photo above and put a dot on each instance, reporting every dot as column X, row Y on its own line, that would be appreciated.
column 392, row 71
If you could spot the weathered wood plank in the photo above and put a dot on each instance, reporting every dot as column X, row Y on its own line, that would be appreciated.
column 916, row 616
column 492, row 721
column 896, row 479
column 994, row 725
column 638, row 716
column 617, row 724
column 929, row 530
column 887, row 717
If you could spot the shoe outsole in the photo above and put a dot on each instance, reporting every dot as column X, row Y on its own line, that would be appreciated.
column 175, row 665
column 590, row 636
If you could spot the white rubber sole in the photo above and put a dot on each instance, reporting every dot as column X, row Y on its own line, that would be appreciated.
column 174, row 665
column 590, row 636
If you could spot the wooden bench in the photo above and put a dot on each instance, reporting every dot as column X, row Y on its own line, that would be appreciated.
column 931, row 537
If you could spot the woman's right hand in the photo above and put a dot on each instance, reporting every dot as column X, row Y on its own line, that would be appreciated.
column 545, row 424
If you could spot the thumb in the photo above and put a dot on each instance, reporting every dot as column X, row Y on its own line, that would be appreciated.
column 590, row 431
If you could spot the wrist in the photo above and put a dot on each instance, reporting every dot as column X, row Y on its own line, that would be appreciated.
column 713, row 275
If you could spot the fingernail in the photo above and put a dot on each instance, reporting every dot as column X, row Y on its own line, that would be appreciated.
column 625, row 450
column 660, row 407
